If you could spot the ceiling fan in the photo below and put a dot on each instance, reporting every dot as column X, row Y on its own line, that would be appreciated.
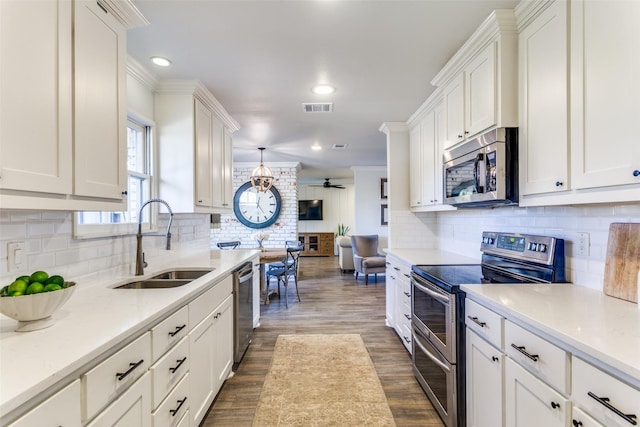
column 327, row 184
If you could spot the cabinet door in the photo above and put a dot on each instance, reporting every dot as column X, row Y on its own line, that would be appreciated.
column 415, row 166
column 441, row 126
column 62, row 409
column 131, row 409
column 543, row 103
column 223, row 332
column 428, row 175
column 217, row 163
column 485, row 394
column 204, row 144
column 530, row 402
column 480, row 92
column 35, row 96
column 202, row 374
column 454, row 111
column 605, row 93
column 100, row 103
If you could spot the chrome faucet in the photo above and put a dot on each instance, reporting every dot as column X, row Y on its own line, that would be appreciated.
column 140, row 262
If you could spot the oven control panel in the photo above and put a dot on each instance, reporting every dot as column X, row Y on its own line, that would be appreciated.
column 524, row 246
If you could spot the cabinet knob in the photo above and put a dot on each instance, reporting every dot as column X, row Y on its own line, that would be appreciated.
column 576, row 423
column 555, row 405
column 495, row 358
column 459, row 136
column 466, row 132
column 125, row 192
column 636, row 172
column 559, row 183
column 199, row 201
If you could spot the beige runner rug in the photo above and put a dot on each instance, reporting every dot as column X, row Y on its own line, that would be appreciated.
column 322, row 380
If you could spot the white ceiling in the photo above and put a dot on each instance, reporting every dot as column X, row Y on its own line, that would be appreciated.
column 260, row 59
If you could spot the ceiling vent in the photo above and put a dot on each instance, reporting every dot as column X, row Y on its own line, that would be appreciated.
column 338, row 146
column 317, row 107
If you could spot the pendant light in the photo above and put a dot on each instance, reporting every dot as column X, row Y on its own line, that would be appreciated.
column 262, row 177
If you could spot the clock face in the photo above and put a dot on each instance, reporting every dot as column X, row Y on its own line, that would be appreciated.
column 255, row 209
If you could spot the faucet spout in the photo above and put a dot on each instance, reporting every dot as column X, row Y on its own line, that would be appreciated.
column 140, row 263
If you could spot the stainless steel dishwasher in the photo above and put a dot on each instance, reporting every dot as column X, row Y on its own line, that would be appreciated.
column 242, row 311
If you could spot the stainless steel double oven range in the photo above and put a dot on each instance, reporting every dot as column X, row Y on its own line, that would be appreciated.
column 437, row 306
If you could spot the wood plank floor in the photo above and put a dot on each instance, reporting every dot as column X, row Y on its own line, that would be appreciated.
column 332, row 303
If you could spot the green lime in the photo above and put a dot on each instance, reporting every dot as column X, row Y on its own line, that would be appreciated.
column 25, row 278
column 52, row 287
column 58, row 280
column 39, row 276
column 18, row 286
column 15, row 293
column 35, row 288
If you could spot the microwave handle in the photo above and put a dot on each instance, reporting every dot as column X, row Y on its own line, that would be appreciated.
column 476, row 173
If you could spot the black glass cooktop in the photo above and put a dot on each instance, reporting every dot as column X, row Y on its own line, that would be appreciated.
column 451, row 275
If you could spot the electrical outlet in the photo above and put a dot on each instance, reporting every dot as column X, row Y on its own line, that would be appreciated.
column 15, row 257
column 582, row 245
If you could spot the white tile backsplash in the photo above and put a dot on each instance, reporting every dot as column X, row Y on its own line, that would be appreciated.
column 49, row 245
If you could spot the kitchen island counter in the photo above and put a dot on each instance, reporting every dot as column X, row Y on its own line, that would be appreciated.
column 96, row 320
column 591, row 325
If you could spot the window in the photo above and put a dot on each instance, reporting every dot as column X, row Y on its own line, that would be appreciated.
column 93, row 224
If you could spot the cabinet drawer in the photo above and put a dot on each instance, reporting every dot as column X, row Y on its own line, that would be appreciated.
column 169, row 331
column 166, row 373
column 63, row 408
column 404, row 315
column 485, row 323
column 591, row 388
column 405, row 292
column 171, row 411
column 406, row 335
column 202, row 306
column 539, row 356
column 104, row 382
column 132, row 408
column 582, row 419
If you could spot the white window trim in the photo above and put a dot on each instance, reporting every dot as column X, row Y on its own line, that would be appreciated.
column 92, row 231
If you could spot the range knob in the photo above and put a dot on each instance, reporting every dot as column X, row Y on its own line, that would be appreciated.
column 542, row 247
column 533, row 246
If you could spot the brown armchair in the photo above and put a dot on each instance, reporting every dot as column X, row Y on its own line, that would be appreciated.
column 366, row 259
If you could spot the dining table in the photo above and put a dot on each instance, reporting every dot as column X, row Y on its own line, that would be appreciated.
column 268, row 256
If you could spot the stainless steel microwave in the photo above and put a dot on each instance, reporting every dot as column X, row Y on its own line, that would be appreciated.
column 483, row 172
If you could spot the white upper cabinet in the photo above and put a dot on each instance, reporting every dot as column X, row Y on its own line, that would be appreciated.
column 35, row 96
column 543, row 133
column 100, row 102
column 480, row 81
column 605, row 93
column 579, row 92
column 195, row 146
column 63, row 104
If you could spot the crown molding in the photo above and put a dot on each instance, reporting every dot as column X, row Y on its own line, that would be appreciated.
column 431, row 103
column 501, row 22
column 125, row 12
column 388, row 127
column 141, row 74
column 527, row 10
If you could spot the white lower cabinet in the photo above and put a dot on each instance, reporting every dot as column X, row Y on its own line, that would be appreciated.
column 532, row 403
column 399, row 305
column 579, row 418
column 131, row 409
column 171, row 410
column 211, row 355
column 61, row 409
column 485, row 384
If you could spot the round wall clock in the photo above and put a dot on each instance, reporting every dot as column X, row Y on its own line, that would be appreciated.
column 255, row 209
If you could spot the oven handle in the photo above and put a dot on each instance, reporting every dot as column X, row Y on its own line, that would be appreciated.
column 436, row 295
column 431, row 356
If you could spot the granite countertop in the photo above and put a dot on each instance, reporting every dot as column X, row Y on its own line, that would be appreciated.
column 431, row 256
column 598, row 328
column 95, row 319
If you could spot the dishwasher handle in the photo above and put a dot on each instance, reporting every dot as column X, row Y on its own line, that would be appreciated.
column 245, row 273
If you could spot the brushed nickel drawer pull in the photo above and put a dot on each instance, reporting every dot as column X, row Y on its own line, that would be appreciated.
column 630, row 418
column 522, row 350
column 132, row 367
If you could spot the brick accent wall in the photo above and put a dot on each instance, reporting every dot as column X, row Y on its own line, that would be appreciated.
column 285, row 228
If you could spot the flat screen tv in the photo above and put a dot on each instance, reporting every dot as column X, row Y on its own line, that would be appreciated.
column 310, row 210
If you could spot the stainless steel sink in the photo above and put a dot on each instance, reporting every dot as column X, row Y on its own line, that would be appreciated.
column 168, row 279
column 153, row 284
column 181, row 274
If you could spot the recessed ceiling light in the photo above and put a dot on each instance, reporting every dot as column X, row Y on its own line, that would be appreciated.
column 323, row 89
column 159, row 60
column 316, row 147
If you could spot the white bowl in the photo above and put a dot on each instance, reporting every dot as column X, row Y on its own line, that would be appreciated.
column 34, row 311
